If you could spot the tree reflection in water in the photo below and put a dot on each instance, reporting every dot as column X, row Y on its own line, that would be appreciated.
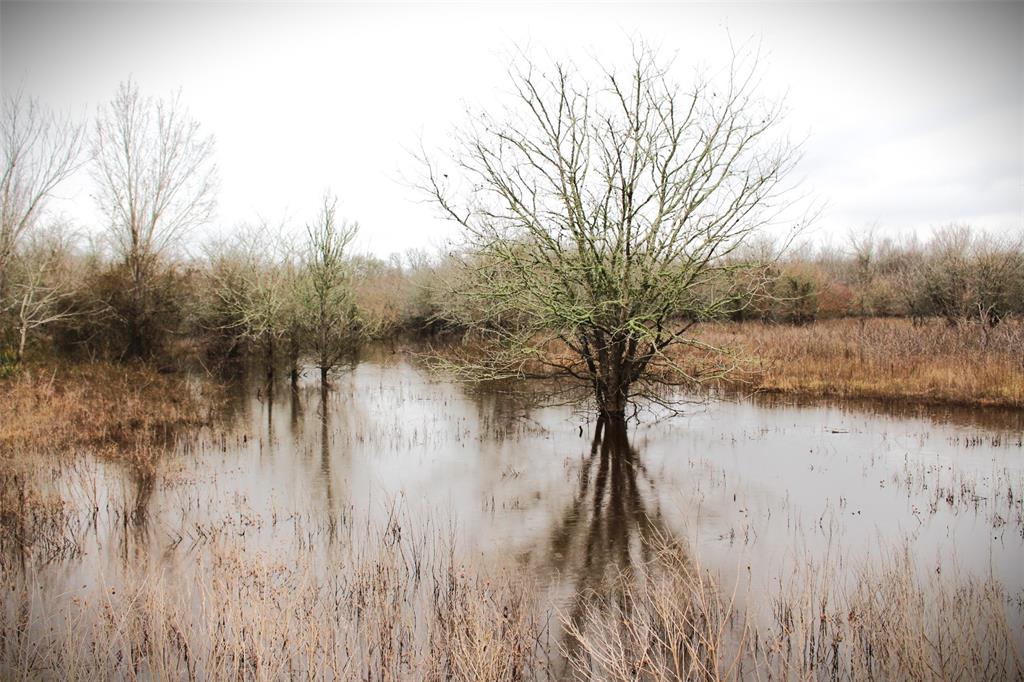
column 606, row 536
column 325, row 449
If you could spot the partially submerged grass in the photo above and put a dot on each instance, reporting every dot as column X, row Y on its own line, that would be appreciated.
column 928, row 362
column 386, row 603
column 323, row 596
column 108, row 409
column 890, row 624
column 383, row 604
column 49, row 417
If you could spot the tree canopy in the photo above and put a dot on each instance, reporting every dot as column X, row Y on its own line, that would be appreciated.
column 601, row 219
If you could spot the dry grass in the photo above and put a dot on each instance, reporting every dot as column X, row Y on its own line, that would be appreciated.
column 51, row 416
column 106, row 408
column 382, row 603
column 891, row 624
column 930, row 362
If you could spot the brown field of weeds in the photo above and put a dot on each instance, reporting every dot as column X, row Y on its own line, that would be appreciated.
column 53, row 417
column 102, row 407
column 893, row 359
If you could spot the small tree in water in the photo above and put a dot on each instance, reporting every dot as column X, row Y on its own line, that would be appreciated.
column 326, row 300
column 600, row 223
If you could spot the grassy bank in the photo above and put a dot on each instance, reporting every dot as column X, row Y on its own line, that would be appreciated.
column 892, row 359
column 106, row 408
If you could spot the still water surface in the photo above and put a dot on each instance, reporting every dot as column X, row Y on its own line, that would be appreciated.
column 750, row 486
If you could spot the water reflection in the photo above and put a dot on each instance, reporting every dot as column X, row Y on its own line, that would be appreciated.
column 295, row 410
column 1005, row 419
column 606, row 534
column 325, row 449
column 525, row 487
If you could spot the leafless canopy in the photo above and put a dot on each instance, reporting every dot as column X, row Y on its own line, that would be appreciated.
column 40, row 289
column 40, row 150
column 154, row 172
column 601, row 220
column 155, row 181
column 327, row 303
column 252, row 278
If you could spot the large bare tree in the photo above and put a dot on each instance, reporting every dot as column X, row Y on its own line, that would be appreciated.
column 601, row 219
column 156, row 180
column 39, row 151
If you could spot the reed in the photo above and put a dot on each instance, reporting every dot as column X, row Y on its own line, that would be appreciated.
column 891, row 622
column 386, row 602
column 393, row 605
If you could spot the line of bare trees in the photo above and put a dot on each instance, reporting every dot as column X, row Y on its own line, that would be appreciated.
column 601, row 219
column 962, row 275
column 284, row 300
column 135, row 293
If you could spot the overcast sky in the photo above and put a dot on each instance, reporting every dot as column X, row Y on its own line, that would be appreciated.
column 913, row 113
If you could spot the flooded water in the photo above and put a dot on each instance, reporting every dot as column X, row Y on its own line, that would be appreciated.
column 749, row 487
column 733, row 477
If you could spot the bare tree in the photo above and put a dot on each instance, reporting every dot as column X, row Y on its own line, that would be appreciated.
column 327, row 300
column 599, row 220
column 156, row 180
column 40, row 150
column 997, row 275
column 41, row 289
column 864, row 247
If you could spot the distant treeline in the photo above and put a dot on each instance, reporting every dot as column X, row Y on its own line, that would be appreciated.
column 956, row 273
column 133, row 293
column 255, row 294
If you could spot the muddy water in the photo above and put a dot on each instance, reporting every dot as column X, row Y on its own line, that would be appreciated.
column 749, row 486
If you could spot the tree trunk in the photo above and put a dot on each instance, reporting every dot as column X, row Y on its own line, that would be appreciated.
column 270, row 358
column 323, row 376
column 614, row 411
column 136, row 343
column 22, row 337
column 613, row 396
